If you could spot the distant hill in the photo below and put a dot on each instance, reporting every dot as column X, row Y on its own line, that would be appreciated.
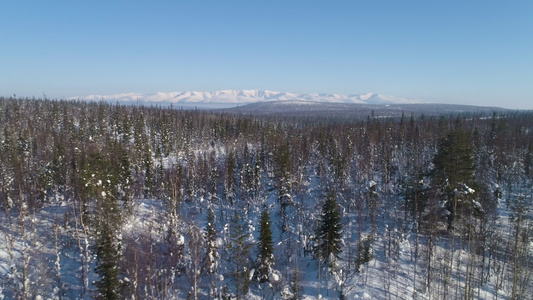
column 233, row 98
column 264, row 102
column 322, row 109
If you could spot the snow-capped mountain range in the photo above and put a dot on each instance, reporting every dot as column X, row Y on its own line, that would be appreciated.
column 240, row 97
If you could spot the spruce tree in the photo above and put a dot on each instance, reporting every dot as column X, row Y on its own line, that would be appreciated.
column 415, row 194
column 231, row 189
column 454, row 163
column 122, row 169
column 106, row 216
column 239, row 250
column 265, row 247
column 329, row 235
column 210, row 263
column 106, row 265
column 453, row 174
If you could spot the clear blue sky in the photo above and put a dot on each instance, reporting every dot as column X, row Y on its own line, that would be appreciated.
column 469, row 52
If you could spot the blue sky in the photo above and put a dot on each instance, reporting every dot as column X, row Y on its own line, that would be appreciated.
column 467, row 52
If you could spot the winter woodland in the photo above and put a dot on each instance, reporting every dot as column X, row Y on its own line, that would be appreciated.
column 109, row 201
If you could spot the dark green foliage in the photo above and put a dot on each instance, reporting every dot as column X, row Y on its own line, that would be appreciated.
column 122, row 170
column 283, row 171
column 329, row 233
column 212, row 255
column 101, row 178
column 283, row 161
column 240, row 261
column 454, row 163
column 415, row 194
column 364, row 252
column 231, row 166
column 265, row 247
column 107, row 253
column 453, row 174
column 528, row 162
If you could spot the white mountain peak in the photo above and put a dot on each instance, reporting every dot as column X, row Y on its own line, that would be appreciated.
column 240, row 97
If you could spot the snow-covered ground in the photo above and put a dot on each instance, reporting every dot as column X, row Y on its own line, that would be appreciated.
column 57, row 248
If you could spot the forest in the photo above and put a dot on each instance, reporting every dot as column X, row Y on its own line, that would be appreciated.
column 110, row 201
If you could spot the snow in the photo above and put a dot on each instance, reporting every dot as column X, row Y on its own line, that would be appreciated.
column 181, row 240
column 384, row 275
column 252, row 272
column 368, row 284
column 468, row 190
column 247, row 96
column 275, row 276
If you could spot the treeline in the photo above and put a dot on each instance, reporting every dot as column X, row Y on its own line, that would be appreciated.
column 335, row 193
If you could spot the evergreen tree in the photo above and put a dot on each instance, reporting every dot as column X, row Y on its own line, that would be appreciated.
column 239, row 250
column 210, row 263
column 196, row 244
column 100, row 186
column 454, row 163
column 283, row 172
column 106, row 265
column 123, row 173
column 453, row 174
column 415, row 194
column 329, row 235
column 230, row 184
column 265, row 247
